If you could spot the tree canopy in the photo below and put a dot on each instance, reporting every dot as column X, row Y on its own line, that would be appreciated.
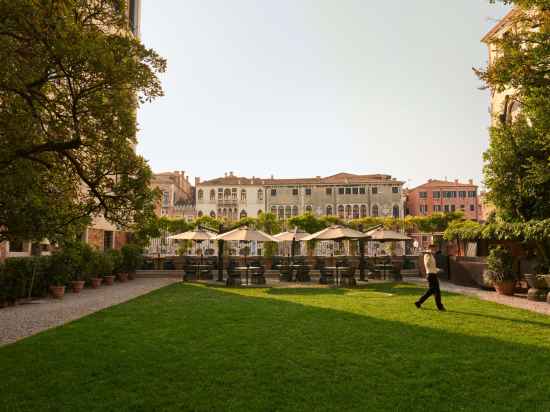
column 517, row 163
column 71, row 80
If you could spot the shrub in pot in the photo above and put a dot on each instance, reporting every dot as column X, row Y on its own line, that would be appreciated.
column 80, row 256
column 118, row 270
column 132, row 259
column 500, row 270
column 60, row 271
column 104, row 267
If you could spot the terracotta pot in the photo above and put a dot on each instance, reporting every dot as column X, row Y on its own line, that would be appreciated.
column 57, row 291
column 96, row 282
column 109, row 280
column 122, row 277
column 547, row 279
column 506, row 287
column 77, row 286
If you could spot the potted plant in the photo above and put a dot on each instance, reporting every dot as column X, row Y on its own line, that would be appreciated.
column 500, row 270
column 105, row 268
column 61, row 269
column 132, row 259
column 80, row 256
column 118, row 270
column 95, row 276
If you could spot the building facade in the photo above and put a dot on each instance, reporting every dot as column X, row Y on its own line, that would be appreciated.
column 440, row 196
column 177, row 195
column 503, row 106
column 231, row 197
column 345, row 195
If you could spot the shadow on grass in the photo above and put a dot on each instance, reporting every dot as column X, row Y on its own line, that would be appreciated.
column 305, row 291
column 189, row 347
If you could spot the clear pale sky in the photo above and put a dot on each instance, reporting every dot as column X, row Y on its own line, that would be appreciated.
column 300, row 88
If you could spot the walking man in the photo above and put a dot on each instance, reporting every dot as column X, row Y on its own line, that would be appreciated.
column 433, row 280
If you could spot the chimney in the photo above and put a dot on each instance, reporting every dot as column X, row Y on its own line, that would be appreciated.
column 272, row 177
column 471, row 181
column 231, row 174
column 456, row 180
column 197, row 181
column 225, row 174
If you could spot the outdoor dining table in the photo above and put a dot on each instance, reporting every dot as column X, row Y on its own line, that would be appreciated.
column 199, row 268
column 246, row 269
column 338, row 270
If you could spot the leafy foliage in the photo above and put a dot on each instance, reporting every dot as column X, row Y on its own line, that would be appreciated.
column 500, row 265
column 71, row 80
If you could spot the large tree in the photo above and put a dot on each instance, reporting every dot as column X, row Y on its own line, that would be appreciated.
column 517, row 168
column 72, row 77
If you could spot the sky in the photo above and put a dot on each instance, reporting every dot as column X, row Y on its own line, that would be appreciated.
column 304, row 88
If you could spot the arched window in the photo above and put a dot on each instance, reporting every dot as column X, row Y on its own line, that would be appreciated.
column 294, row 210
column 281, row 212
column 375, row 211
column 224, row 212
column 212, row 194
column 396, row 211
column 213, row 214
column 288, row 212
column 234, row 193
column 329, row 210
column 260, row 212
column 243, row 194
column 274, row 210
column 227, row 194
column 243, row 214
column 200, row 194
column 364, row 211
column 220, row 212
column 260, row 194
column 356, row 212
column 309, row 209
column 199, row 214
column 341, row 212
column 348, row 212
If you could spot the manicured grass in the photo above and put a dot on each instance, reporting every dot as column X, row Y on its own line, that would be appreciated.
column 190, row 347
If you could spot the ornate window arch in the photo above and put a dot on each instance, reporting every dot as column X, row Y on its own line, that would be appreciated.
column 281, row 212
column 243, row 194
column 213, row 214
column 274, row 210
column 288, row 212
column 356, row 212
column 212, row 194
column 329, row 210
column 364, row 211
column 200, row 194
column 260, row 194
column 309, row 209
column 200, row 214
column 375, row 211
column 243, row 214
column 227, row 194
column 341, row 212
column 348, row 212
column 396, row 211
column 294, row 210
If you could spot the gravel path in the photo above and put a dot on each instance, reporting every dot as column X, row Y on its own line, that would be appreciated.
column 520, row 302
column 19, row 322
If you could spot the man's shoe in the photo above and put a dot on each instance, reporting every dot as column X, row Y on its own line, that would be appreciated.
column 442, row 309
column 417, row 304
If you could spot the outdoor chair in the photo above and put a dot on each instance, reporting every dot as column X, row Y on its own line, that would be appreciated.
column 348, row 277
column 302, row 274
column 327, row 277
column 168, row 265
column 285, row 273
column 190, row 274
column 319, row 263
column 258, row 276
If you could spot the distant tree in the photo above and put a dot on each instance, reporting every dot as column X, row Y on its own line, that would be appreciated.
column 71, row 80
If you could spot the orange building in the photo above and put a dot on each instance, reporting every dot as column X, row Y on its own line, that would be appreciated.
column 439, row 196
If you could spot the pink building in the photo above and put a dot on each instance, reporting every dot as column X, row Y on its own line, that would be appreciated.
column 438, row 196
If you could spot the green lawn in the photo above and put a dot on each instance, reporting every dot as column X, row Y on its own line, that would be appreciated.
column 189, row 347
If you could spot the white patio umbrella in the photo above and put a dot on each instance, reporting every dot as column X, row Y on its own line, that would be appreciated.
column 246, row 234
column 197, row 235
column 382, row 235
column 337, row 232
column 296, row 235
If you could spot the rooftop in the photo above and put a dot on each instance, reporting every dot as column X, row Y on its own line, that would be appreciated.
column 444, row 183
